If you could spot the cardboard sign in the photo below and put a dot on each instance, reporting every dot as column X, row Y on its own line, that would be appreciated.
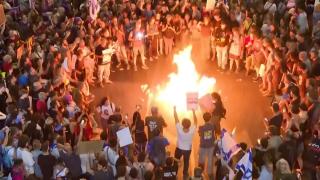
column 85, row 147
column 2, row 15
column 124, row 137
column 192, row 101
column 205, row 103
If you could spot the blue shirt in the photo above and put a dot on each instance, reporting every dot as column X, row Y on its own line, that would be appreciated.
column 23, row 80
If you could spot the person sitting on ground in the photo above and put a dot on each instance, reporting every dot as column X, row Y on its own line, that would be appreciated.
column 170, row 170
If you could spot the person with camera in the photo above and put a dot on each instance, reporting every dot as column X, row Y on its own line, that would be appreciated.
column 137, row 37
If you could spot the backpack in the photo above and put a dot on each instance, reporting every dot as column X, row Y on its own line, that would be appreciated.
column 6, row 159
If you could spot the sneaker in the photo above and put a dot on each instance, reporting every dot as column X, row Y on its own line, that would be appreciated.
column 156, row 57
column 145, row 67
column 121, row 69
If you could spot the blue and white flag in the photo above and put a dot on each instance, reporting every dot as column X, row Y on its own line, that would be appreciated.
column 245, row 165
column 228, row 146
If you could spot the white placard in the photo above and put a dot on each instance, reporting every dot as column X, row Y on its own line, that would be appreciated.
column 192, row 100
column 205, row 103
column 124, row 137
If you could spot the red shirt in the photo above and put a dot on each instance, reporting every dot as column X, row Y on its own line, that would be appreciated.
column 6, row 67
column 87, row 132
column 41, row 106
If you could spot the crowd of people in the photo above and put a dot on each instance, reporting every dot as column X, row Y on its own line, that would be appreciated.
column 53, row 52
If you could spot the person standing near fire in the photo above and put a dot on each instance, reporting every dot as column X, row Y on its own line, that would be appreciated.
column 137, row 38
column 152, row 30
column 205, row 29
column 221, row 40
column 103, row 56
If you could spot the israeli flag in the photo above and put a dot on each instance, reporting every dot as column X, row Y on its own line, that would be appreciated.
column 245, row 165
column 228, row 146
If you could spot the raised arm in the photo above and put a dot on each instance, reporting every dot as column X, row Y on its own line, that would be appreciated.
column 175, row 115
column 195, row 120
column 82, row 124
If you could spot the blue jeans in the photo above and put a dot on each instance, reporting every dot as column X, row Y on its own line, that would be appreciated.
column 186, row 158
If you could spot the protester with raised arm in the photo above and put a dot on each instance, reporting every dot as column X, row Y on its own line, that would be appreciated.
column 185, row 133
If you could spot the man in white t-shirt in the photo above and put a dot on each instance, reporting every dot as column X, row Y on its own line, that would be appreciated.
column 111, row 154
column 24, row 154
column 185, row 133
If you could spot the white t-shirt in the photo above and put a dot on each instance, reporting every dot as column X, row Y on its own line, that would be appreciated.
column 185, row 139
column 27, row 159
column 111, row 157
column 86, row 161
column 107, row 110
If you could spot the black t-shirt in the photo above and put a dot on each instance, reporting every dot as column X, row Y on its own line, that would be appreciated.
column 315, row 69
column 73, row 163
column 3, row 104
column 46, row 163
column 140, row 135
column 221, row 37
column 98, row 52
column 276, row 120
column 115, row 118
column 153, row 123
column 102, row 175
column 170, row 172
column 206, row 133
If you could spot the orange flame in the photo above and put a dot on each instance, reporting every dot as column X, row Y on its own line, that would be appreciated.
column 184, row 81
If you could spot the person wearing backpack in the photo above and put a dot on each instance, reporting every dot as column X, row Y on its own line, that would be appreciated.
column 111, row 154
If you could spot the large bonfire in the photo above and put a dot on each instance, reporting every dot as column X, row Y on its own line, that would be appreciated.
column 185, row 80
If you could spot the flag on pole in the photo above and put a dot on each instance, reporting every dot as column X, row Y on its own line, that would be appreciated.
column 228, row 146
column 245, row 165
